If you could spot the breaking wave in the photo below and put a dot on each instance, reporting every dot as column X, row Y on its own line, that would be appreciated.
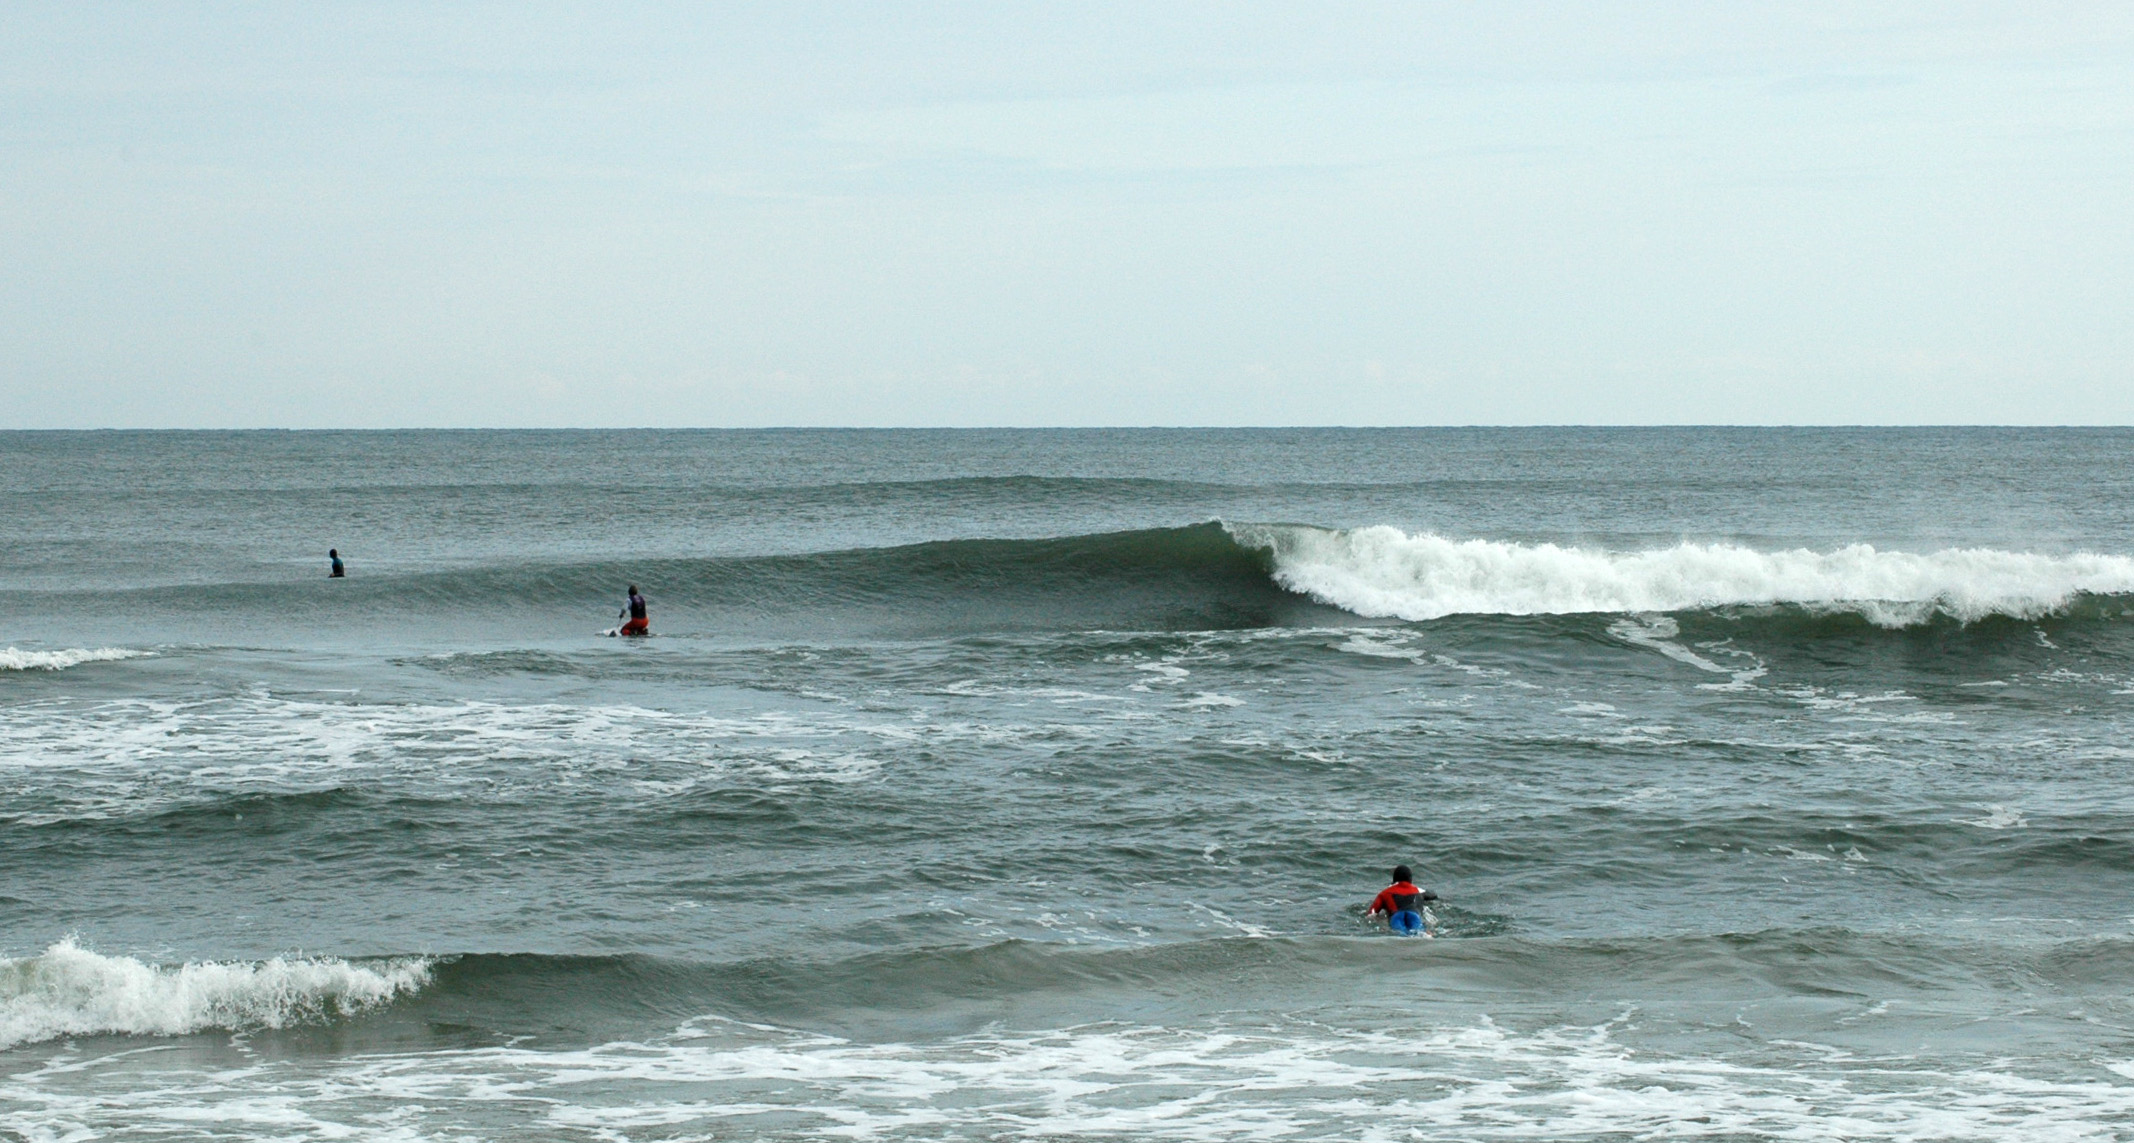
column 1383, row 572
column 15, row 659
column 1203, row 576
column 70, row 991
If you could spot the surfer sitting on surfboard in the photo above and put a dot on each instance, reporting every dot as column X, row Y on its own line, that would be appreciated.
column 1401, row 902
column 640, row 622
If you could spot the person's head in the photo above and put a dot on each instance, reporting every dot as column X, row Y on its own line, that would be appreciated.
column 1403, row 873
column 333, row 553
column 633, row 589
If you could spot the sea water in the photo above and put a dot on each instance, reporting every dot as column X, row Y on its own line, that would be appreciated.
column 984, row 785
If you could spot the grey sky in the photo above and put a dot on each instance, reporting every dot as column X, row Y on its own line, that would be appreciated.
column 384, row 215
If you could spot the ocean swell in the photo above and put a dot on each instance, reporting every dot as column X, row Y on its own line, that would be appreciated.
column 1186, row 578
column 1204, row 576
column 70, row 991
column 1383, row 572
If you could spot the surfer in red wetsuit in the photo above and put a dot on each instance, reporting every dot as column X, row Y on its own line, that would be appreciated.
column 640, row 621
column 1401, row 902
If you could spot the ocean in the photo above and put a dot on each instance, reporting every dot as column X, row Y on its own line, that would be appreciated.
column 1031, row 784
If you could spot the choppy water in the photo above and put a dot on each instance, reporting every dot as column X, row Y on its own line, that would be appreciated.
column 991, row 785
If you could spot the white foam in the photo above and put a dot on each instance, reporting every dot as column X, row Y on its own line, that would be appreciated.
column 89, row 759
column 1384, row 645
column 1592, row 710
column 71, row 991
column 15, row 659
column 1657, row 632
column 1112, row 1081
column 121, row 756
column 1384, row 572
column 1997, row 817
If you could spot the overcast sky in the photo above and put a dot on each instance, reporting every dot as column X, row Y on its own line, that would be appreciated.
column 1088, row 213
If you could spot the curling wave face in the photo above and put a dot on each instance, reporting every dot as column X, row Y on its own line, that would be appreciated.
column 69, row 990
column 1382, row 572
column 1208, row 576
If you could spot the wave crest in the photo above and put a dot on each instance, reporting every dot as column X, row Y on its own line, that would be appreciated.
column 1384, row 572
column 1213, row 575
column 71, row 991
column 15, row 659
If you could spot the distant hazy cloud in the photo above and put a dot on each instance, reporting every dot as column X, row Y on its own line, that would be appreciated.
column 1087, row 214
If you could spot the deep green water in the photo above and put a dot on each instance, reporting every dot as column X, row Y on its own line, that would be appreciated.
column 990, row 784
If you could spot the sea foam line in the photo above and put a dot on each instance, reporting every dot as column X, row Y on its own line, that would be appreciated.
column 1132, row 1082
column 71, row 991
column 16, row 659
column 1385, row 572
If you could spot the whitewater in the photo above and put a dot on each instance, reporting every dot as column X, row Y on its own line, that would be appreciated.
column 71, row 991
column 1381, row 571
column 16, row 659
column 1030, row 784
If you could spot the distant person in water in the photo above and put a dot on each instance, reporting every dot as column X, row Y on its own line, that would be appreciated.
column 1402, row 903
column 338, row 572
column 640, row 622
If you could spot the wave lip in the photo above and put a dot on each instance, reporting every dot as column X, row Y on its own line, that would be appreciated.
column 16, row 659
column 1383, row 572
column 70, row 991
